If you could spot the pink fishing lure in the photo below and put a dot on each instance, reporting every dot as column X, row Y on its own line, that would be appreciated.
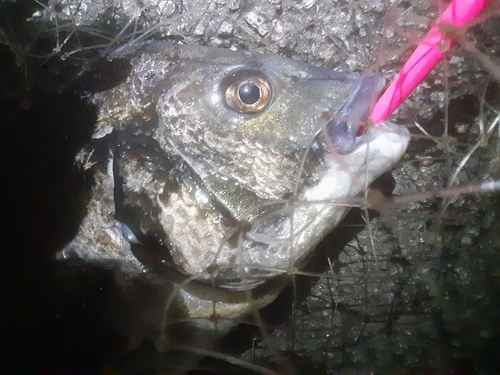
column 426, row 56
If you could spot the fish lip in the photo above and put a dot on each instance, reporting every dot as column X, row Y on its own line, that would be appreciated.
column 346, row 130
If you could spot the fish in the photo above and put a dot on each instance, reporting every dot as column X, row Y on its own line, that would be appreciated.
column 221, row 170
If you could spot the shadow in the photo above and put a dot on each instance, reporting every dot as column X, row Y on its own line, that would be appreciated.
column 54, row 317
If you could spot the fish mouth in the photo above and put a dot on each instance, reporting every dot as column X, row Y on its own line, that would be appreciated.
column 347, row 129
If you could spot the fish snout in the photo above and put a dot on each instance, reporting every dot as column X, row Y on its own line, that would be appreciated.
column 345, row 131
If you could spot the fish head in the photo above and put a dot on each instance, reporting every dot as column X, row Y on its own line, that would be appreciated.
column 276, row 150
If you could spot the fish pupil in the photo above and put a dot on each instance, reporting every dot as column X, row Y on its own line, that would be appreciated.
column 249, row 93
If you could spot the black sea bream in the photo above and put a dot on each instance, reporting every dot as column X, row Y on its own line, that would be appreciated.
column 206, row 182
column 222, row 170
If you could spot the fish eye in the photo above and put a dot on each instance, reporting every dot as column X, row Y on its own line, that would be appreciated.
column 247, row 91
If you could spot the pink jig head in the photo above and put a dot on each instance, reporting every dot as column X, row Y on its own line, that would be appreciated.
column 425, row 57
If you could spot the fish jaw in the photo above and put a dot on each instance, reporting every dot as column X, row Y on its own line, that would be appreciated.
column 282, row 240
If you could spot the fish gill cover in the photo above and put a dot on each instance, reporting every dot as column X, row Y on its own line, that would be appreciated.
column 408, row 282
